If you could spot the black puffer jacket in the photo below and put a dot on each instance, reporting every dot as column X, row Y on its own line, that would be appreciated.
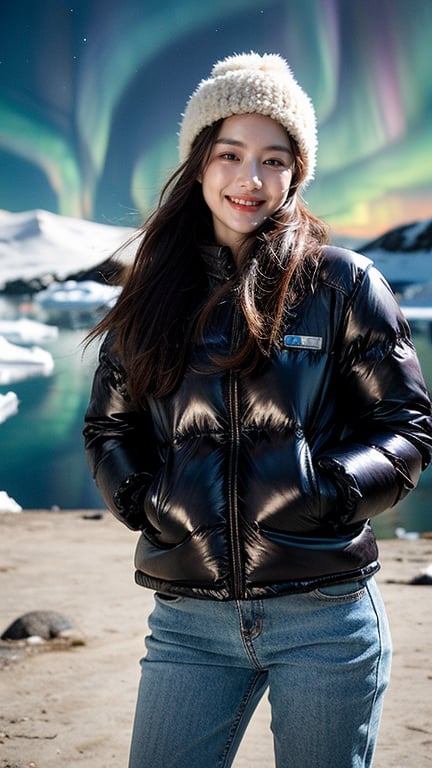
column 253, row 486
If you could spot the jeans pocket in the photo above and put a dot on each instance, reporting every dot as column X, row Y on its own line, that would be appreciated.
column 346, row 592
column 166, row 598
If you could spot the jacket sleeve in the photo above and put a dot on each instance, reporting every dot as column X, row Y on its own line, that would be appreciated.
column 119, row 442
column 385, row 404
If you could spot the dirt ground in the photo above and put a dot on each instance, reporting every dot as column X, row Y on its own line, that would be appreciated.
column 71, row 703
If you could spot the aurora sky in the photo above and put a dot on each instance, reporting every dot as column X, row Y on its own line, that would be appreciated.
column 91, row 94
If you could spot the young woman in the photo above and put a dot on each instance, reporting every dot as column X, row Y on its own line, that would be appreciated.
column 258, row 399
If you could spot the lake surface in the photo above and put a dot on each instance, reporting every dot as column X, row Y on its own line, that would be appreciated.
column 42, row 457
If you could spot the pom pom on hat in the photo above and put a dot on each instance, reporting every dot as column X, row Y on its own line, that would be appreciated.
column 250, row 83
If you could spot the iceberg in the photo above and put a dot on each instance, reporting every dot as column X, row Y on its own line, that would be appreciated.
column 27, row 331
column 76, row 303
column 7, row 504
column 8, row 406
column 73, row 294
column 20, row 363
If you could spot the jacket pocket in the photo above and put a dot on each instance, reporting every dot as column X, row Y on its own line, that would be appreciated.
column 310, row 542
column 314, row 501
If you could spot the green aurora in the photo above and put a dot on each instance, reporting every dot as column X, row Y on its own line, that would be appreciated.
column 91, row 94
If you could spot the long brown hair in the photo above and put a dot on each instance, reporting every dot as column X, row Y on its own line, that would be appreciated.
column 165, row 301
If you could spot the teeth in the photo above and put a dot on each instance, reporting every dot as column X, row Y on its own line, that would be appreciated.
column 247, row 203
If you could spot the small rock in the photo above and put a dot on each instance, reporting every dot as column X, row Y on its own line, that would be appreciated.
column 44, row 624
column 93, row 516
column 423, row 578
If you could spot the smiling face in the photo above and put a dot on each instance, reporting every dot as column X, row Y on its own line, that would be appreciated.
column 247, row 177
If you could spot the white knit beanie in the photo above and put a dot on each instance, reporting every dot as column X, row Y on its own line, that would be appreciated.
column 249, row 83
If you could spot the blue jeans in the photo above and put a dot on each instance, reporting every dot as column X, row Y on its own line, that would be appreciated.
column 324, row 657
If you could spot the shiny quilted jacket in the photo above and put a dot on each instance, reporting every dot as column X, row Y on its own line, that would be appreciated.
column 247, row 486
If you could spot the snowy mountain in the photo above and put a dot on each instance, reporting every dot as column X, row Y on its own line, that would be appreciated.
column 409, row 237
column 40, row 246
column 404, row 254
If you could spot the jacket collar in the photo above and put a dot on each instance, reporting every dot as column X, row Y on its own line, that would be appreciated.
column 219, row 262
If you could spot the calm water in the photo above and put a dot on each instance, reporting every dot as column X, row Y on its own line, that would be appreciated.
column 42, row 462
column 42, row 459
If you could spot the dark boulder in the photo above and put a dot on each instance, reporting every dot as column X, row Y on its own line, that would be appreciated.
column 44, row 624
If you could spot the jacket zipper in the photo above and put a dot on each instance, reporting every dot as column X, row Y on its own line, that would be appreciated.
column 234, row 449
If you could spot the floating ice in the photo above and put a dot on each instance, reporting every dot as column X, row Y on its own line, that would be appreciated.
column 20, row 363
column 8, row 406
column 86, row 294
column 7, row 504
column 26, row 331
